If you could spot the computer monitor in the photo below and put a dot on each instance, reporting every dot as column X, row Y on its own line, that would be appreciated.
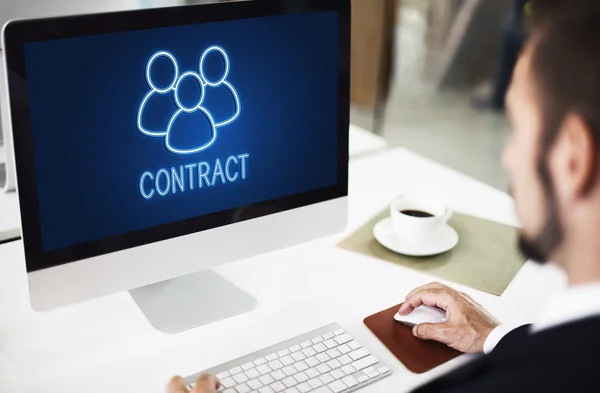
column 151, row 145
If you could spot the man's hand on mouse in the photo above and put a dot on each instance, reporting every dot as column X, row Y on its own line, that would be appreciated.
column 467, row 324
column 204, row 384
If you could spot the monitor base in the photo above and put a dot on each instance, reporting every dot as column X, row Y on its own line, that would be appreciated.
column 191, row 301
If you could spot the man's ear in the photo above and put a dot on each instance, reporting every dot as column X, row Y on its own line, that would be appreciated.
column 573, row 159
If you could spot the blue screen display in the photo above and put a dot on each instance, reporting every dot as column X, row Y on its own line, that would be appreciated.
column 137, row 129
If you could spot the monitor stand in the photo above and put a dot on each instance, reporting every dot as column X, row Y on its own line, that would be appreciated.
column 183, row 303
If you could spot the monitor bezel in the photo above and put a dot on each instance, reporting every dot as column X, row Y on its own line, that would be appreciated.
column 18, row 33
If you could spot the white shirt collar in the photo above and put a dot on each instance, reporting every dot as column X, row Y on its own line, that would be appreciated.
column 573, row 304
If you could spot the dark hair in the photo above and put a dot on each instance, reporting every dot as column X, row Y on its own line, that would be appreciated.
column 565, row 63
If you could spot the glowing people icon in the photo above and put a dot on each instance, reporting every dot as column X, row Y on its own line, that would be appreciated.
column 191, row 118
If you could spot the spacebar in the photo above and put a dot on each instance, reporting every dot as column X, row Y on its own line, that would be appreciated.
column 322, row 389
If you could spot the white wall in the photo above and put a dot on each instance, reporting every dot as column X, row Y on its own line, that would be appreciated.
column 10, row 9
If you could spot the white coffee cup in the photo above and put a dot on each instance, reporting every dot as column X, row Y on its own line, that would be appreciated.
column 418, row 228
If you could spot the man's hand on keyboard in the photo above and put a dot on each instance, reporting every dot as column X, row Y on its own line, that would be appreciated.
column 467, row 324
column 204, row 384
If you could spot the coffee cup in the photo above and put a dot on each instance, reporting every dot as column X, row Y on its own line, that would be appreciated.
column 417, row 218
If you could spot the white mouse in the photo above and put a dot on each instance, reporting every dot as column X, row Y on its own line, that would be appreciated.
column 422, row 314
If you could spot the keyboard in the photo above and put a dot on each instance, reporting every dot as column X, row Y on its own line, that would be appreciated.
column 326, row 360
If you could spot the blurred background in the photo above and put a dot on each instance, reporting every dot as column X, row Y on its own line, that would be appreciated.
column 428, row 75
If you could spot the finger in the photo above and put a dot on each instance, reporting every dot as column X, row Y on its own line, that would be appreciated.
column 439, row 298
column 206, row 384
column 177, row 385
column 431, row 331
column 406, row 307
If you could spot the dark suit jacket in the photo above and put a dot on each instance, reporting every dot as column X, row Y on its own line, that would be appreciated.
column 562, row 359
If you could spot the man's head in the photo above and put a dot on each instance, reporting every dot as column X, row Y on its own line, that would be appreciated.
column 554, row 107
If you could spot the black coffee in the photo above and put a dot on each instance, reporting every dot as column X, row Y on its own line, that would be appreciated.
column 416, row 213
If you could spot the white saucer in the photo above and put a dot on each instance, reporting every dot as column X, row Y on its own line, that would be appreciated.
column 443, row 240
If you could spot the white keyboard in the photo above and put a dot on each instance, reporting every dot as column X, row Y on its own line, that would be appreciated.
column 326, row 360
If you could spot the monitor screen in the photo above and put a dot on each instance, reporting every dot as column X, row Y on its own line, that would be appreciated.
column 137, row 129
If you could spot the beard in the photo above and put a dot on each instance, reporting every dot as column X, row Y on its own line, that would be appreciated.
column 540, row 248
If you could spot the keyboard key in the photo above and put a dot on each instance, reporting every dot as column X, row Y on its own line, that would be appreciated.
column 289, row 382
column 334, row 364
column 266, row 379
column 312, row 362
column 368, row 370
column 330, row 344
column 264, row 369
column 306, row 344
column 278, row 386
column 384, row 370
column 339, row 331
column 350, row 381
column 301, row 377
column 359, row 354
column 276, row 365
column 295, row 348
column 354, row 345
column 334, row 353
column 248, row 366
column 374, row 374
column 320, row 348
column 313, row 372
column 283, row 353
column 278, row 375
column 289, row 371
column 327, row 336
column 230, row 390
column 348, row 369
column 323, row 357
column 266, row 389
column 315, row 383
column 255, row 384
column 292, row 390
column 326, row 378
column 362, row 378
column 235, row 370
column 337, row 386
column 228, row 382
column 287, row 360
column 253, row 373
column 344, row 349
column 304, row 388
column 272, row 357
column 317, row 340
column 240, row 378
column 338, row 374
column 223, row 375
column 298, row 356
column 308, row 352
column 260, row 361
column 243, row 388
column 301, row 365
column 345, row 359
column 365, row 362
column 343, row 338
column 323, row 368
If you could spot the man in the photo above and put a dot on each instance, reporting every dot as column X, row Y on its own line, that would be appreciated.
column 554, row 162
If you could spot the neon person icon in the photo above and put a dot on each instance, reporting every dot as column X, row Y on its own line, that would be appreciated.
column 189, row 125
column 190, row 114
column 212, row 85
column 161, row 96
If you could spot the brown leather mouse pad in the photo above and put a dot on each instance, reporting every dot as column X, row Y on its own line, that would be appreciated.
column 417, row 355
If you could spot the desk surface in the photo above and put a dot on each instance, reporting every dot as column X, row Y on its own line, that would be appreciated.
column 362, row 143
column 106, row 345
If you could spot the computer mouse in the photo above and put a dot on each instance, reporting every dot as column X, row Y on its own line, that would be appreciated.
column 422, row 314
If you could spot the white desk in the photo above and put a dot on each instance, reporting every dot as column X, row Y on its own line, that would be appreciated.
column 10, row 218
column 363, row 142
column 107, row 346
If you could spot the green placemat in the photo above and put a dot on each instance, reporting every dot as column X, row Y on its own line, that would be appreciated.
column 486, row 257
